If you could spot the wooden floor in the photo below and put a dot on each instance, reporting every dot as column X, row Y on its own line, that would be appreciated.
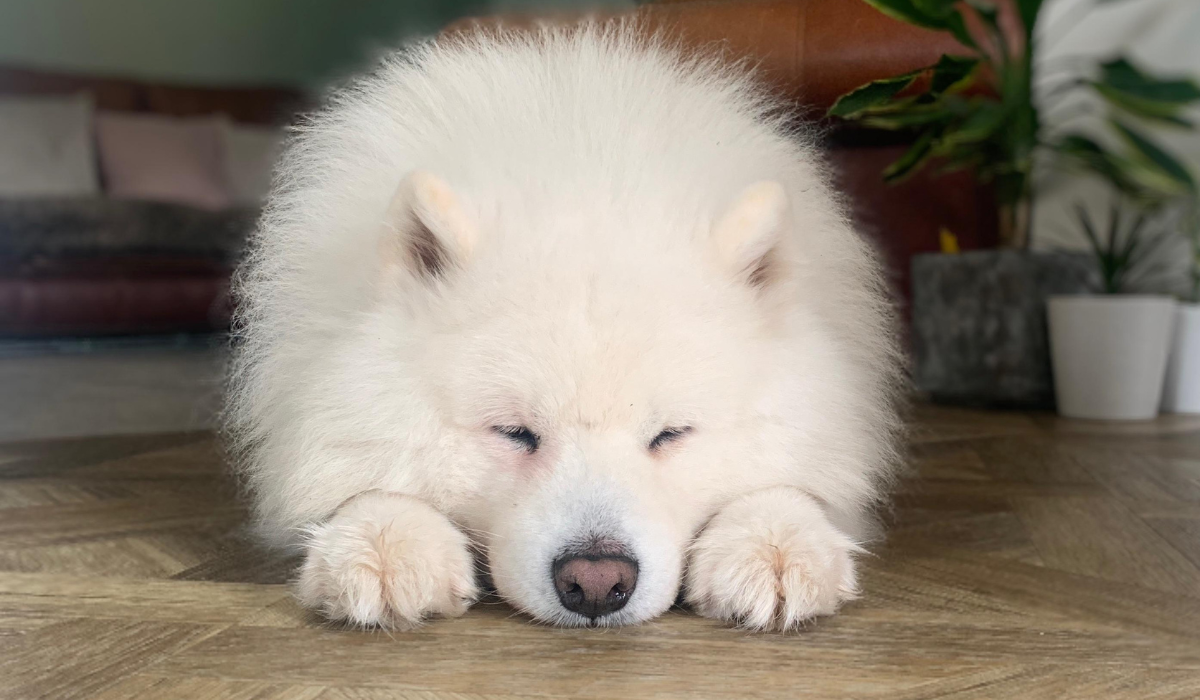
column 1029, row 558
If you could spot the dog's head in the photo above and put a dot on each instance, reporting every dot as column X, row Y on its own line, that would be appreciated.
column 605, row 376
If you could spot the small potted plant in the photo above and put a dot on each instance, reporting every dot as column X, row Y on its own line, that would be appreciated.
column 979, row 329
column 1181, row 394
column 1109, row 350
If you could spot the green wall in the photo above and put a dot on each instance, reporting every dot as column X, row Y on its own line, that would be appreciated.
column 301, row 43
column 287, row 42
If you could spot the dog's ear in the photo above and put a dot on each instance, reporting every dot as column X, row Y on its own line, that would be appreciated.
column 427, row 227
column 744, row 236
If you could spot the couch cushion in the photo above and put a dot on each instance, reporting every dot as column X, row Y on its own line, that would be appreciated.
column 46, row 146
column 165, row 159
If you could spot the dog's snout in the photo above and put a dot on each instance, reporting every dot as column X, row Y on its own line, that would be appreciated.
column 594, row 585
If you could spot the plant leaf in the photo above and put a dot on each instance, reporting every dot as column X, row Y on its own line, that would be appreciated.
column 947, row 14
column 1085, row 222
column 907, row 11
column 1164, row 112
column 951, row 73
column 1120, row 75
column 1153, row 154
column 1094, row 156
column 930, row 14
column 852, row 104
column 1138, row 178
column 987, row 12
column 1114, row 230
column 1148, row 247
column 961, row 160
column 1133, row 237
column 986, row 9
column 1147, row 184
column 1028, row 10
column 981, row 125
column 913, row 158
column 913, row 116
column 935, row 8
column 956, row 25
column 1130, row 89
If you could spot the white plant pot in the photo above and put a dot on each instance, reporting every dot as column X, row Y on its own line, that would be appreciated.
column 1181, row 393
column 1109, row 354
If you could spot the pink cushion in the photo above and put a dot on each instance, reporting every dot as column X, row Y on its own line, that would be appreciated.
column 162, row 158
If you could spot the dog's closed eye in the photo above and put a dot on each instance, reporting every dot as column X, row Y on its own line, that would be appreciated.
column 668, row 435
column 520, row 435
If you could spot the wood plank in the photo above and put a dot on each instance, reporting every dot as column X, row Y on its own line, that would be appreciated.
column 145, row 686
column 157, row 555
column 1040, row 590
column 556, row 663
column 1100, row 537
column 80, row 658
column 366, row 693
column 1032, row 459
column 50, row 595
column 946, row 460
column 1183, row 532
column 932, row 423
column 1027, row 559
column 1064, row 682
column 49, row 525
column 40, row 458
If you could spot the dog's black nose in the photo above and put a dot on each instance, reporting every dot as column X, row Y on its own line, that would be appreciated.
column 594, row 585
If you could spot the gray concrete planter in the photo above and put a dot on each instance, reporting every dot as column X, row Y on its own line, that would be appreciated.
column 979, row 323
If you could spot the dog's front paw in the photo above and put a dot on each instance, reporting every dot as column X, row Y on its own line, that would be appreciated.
column 771, row 560
column 389, row 561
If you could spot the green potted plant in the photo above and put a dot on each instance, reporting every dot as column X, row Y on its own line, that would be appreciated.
column 979, row 326
column 1109, row 350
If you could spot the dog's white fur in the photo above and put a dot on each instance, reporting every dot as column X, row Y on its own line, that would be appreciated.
column 588, row 234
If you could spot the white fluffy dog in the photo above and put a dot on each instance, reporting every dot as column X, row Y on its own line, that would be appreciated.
column 576, row 303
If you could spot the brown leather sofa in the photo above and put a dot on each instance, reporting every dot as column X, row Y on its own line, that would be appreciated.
column 809, row 50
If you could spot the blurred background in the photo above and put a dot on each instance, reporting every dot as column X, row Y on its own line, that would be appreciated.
column 1051, row 156
column 138, row 140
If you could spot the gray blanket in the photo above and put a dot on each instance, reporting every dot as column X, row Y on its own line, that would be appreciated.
column 97, row 228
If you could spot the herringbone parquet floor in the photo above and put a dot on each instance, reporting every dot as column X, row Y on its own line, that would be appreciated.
column 1028, row 558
